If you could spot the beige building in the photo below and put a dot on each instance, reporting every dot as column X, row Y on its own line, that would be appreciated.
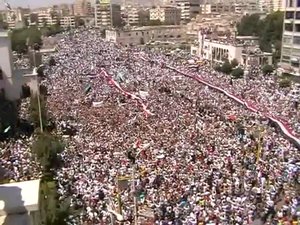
column 143, row 35
column 47, row 17
column 82, row 8
column 189, row 8
column 107, row 14
column 132, row 14
column 67, row 21
column 167, row 15
column 290, row 52
column 244, row 49
column 19, row 203
column 228, row 6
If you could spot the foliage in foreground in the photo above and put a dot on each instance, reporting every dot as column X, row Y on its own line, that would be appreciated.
column 34, row 111
column 47, row 149
column 269, row 31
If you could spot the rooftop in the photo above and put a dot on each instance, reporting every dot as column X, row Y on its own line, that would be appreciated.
column 20, row 197
column 3, row 33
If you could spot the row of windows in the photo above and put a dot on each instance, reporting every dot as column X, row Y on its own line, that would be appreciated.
column 158, row 36
column 290, row 40
column 291, row 15
column 292, row 3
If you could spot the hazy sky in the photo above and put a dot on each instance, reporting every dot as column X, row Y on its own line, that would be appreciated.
column 33, row 3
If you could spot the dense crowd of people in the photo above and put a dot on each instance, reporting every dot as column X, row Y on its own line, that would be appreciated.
column 200, row 158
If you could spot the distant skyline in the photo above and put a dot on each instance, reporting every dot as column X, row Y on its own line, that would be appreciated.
column 45, row 3
column 33, row 3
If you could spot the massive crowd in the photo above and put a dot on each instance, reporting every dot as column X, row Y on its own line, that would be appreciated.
column 203, row 159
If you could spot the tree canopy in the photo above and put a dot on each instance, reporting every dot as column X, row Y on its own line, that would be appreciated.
column 237, row 73
column 22, row 38
column 269, row 30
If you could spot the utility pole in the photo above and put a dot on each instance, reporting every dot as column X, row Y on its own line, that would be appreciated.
column 134, row 196
column 38, row 93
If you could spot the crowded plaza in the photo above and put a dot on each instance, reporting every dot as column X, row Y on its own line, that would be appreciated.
column 135, row 125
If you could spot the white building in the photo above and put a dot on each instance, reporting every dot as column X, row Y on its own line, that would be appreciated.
column 189, row 8
column 290, row 52
column 143, row 35
column 244, row 49
column 167, row 15
column 11, row 80
column 67, row 21
column 19, row 203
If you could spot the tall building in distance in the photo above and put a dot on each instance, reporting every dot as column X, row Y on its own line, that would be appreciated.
column 290, row 52
column 167, row 15
column 107, row 14
column 189, row 8
column 82, row 8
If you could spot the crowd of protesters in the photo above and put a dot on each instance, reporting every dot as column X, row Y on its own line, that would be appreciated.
column 282, row 103
column 203, row 159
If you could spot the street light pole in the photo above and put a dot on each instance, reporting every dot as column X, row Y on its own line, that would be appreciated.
column 134, row 196
column 38, row 94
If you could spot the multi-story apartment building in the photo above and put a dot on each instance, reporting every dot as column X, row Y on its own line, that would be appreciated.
column 221, row 7
column 132, row 15
column 82, row 8
column 16, row 17
column 47, row 17
column 271, row 5
column 167, row 15
column 189, row 8
column 107, row 14
column 67, row 21
column 290, row 52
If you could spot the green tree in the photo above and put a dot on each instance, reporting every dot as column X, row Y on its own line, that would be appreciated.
column 79, row 22
column 234, row 63
column 22, row 38
column 218, row 68
column 269, row 30
column 34, row 111
column 226, row 67
column 237, row 73
column 54, row 212
column 249, row 25
column 46, row 149
column 52, row 61
column 284, row 83
column 267, row 69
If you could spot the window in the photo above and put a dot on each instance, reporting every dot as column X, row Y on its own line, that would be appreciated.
column 289, row 15
column 286, row 51
column 298, row 3
column 287, row 40
column 286, row 57
column 288, row 27
column 296, row 40
column 1, row 74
